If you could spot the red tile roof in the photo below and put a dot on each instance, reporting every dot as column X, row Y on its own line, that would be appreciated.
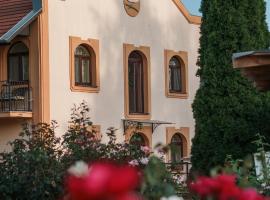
column 11, row 12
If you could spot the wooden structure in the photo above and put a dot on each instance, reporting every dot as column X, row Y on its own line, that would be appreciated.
column 255, row 65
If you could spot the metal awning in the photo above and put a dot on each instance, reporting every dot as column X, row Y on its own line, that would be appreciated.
column 153, row 123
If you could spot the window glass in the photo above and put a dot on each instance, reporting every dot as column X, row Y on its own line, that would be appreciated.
column 77, row 70
column 177, row 148
column 175, row 76
column 82, row 51
column 136, row 83
column 83, row 70
column 138, row 139
column 25, row 68
column 18, row 63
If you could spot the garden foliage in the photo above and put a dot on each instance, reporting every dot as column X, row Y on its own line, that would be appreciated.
column 227, row 108
column 37, row 165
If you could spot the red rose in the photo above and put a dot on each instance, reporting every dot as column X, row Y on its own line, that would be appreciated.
column 102, row 181
column 205, row 186
column 124, row 178
column 250, row 194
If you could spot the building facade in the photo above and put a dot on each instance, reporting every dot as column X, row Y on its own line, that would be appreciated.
column 131, row 61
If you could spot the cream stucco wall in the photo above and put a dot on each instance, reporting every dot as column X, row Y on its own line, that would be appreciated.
column 159, row 25
column 9, row 131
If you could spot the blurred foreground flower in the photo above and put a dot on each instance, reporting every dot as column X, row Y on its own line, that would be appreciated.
column 102, row 181
column 223, row 187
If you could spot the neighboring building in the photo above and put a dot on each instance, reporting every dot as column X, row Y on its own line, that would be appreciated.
column 132, row 61
column 255, row 65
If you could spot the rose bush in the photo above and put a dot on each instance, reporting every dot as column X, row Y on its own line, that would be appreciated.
column 223, row 187
column 36, row 166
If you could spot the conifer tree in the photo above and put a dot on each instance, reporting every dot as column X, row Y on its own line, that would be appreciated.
column 227, row 108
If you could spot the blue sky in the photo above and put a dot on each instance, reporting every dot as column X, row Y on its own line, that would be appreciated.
column 194, row 5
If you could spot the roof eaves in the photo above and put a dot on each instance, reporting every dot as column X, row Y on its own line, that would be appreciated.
column 24, row 22
column 192, row 19
column 249, row 53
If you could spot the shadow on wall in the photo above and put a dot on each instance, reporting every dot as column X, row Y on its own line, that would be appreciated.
column 120, row 28
column 9, row 130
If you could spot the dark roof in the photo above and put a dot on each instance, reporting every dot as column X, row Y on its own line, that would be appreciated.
column 15, row 15
column 11, row 12
column 251, row 53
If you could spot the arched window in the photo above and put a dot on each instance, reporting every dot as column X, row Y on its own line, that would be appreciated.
column 136, row 83
column 18, row 62
column 138, row 139
column 83, row 67
column 177, row 148
column 175, row 76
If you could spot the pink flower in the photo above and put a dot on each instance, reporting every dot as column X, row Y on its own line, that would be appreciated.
column 146, row 149
column 134, row 163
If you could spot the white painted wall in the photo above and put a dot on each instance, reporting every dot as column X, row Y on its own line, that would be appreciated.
column 159, row 25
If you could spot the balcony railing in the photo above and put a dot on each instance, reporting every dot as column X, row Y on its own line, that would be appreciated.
column 180, row 173
column 15, row 96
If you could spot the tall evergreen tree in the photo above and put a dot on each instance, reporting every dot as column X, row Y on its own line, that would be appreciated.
column 227, row 108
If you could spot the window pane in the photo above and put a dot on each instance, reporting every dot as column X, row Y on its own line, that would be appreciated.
column 136, row 83
column 82, row 51
column 85, row 71
column 13, row 68
column 25, row 68
column 18, row 48
column 175, row 82
column 138, row 140
column 177, row 148
column 18, row 65
column 77, row 70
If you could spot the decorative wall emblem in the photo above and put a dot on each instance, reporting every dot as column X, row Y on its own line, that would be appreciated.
column 132, row 7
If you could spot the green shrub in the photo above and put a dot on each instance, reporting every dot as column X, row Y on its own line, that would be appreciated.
column 36, row 167
column 32, row 169
column 227, row 108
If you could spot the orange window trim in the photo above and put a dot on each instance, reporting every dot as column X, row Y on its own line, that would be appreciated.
column 184, row 131
column 96, row 129
column 93, row 47
column 145, row 51
column 145, row 131
column 183, row 58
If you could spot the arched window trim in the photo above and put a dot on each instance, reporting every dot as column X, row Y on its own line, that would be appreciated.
column 23, row 73
column 92, row 46
column 182, row 57
column 184, row 132
column 145, row 53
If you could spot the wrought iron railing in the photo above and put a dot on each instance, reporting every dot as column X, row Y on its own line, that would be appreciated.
column 181, row 173
column 15, row 96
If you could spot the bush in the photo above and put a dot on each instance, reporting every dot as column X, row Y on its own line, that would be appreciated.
column 227, row 108
column 36, row 167
column 32, row 169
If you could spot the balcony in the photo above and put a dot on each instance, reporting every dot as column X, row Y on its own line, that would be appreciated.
column 15, row 99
